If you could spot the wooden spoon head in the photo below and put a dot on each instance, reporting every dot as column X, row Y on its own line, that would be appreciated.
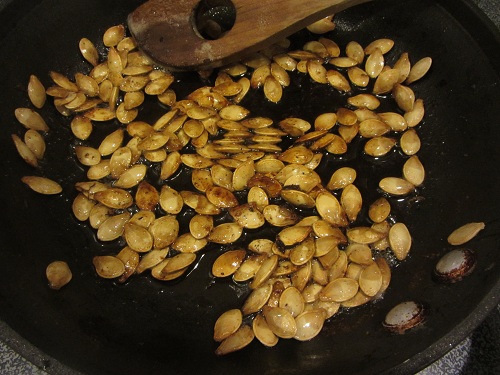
column 166, row 31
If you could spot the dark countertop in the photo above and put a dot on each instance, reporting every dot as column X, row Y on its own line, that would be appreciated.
column 477, row 354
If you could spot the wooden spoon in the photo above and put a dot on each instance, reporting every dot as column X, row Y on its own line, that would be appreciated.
column 167, row 30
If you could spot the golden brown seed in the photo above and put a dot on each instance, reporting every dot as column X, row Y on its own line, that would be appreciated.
column 379, row 146
column 415, row 116
column 386, row 81
column 138, row 238
column 404, row 97
column 379, row 210
column 108, row 266
column 36, row 92
column 413, row 171
column 35, row 142
column 358, row 76
column 280, row 321
column 410, row 142
column 465, row 233
column 113, row 35
column 317, row 71
column 396, row 186
column 418, row 70
column 225, row 233
column 238, row 340
column 58, row 274
column 355, row 51
column 227, row 324
column 400, row 240
column 341, row 178
column 42, row 185
column 338, row 81
column 309, row 324
column 130, row 259
column 228, row 262
column 384, row 45
column 339, row 290
column 114, row 198
column 343, row 62
column 364, row 101
column 374, row 63
column 31, row 119
column 273, row 89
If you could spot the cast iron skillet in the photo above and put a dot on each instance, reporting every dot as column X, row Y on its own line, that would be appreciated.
column 98, row 327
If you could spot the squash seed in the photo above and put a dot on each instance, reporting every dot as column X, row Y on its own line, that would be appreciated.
column 42, row 185
column 108, row 267
column 465, row 233
column 58, row 274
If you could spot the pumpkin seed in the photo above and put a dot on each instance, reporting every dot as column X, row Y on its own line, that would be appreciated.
column 42, row 185
column 58, row 274
column 108, row 267
column 465, row 233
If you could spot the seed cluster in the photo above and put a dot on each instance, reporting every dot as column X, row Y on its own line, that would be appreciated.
column 316, row 264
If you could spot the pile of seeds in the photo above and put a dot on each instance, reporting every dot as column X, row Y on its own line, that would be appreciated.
column 243, row 178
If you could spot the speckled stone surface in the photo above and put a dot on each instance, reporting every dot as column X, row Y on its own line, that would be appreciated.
column 478, row 354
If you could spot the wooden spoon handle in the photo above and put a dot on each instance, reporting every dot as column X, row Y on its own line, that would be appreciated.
column 165, row 30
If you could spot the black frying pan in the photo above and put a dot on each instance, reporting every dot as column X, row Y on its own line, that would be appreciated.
column 98, row 327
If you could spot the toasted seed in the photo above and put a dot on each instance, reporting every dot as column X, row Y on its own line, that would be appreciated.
column 351, row 201
column 227, row 324
column 338, row 81
column 98, row 214
column 63, row 81
column 317, row 71
column 42, row 185
column 164, row 230
column 81, row 127
column 410, row 142
column 341, row 178
column 113, row 35
column 225, row 233
column 309, row 324
column 358, row 76
column 370, row 280
column 31, row 119
column 355, row 51
column 111, row 227
column 384, row 45
column 130, row 259
column 418, row 70
column 396, row 186
column 415, row 116
column 114, row 198
column 465, row 233
column 379, row 146
column 364, row 101
column 339, row 290
column 265, row 271
column 330, row 209
column 280, row 321
column 24, row 151
column 374, row 63
column 58, row 274
column 36, row 92
column 413, row 171
column 404, row 97
column 386, row 81
column 364, row 235
column 138, row 238
column 343, row 62
column 400, row 240
column 228, row 262
column 379, row 210
column 238, row 340
column 221, row 197
column 108, row 266
column 273, row 89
